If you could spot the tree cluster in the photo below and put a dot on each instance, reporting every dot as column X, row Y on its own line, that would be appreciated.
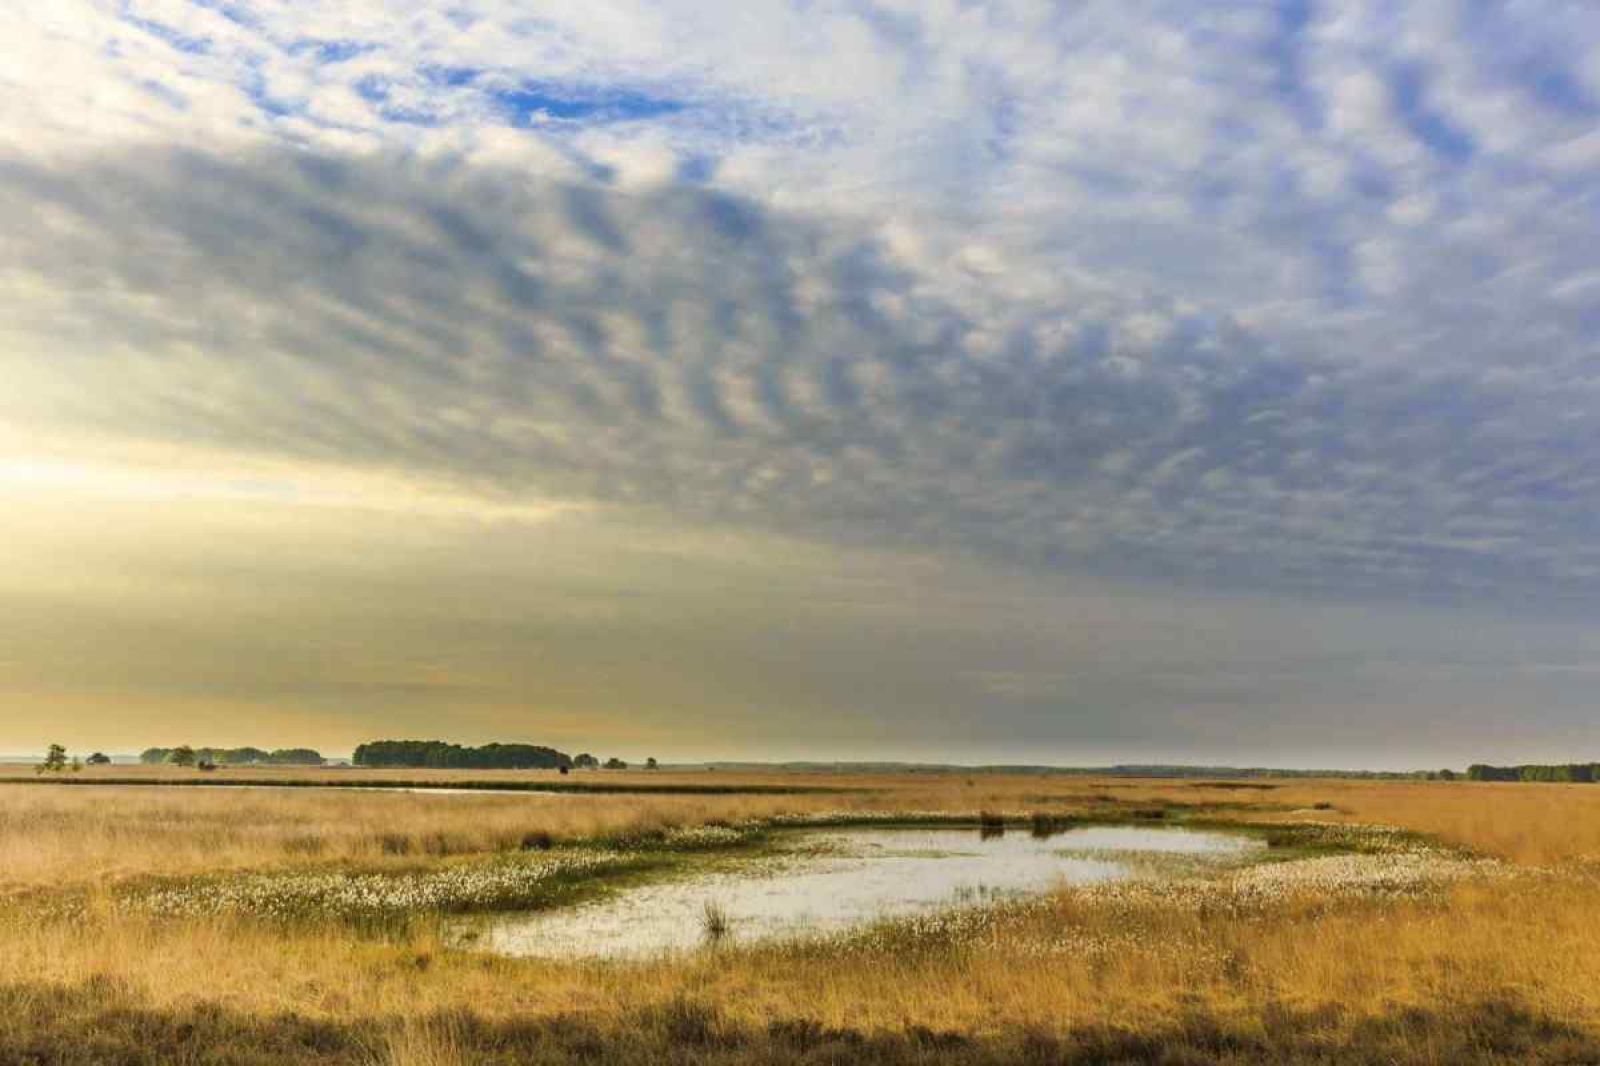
column 441, row 755
column 1577, row 771
column 187, row 755
column 55, row 761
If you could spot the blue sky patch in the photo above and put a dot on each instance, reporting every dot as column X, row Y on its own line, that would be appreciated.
column 452, row 77
column 266, row 102
column 536, row 102
column 697, row 169
column 1443, row 137
column 409, row 116
column 234, row 13
column 372, row 88
column 1559, row 89
column 181, row 41
column 170, row 96
column 332, row 51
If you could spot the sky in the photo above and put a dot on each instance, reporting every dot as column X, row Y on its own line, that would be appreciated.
column 976, row 382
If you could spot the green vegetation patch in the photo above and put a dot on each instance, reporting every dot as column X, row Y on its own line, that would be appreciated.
column 537, row 878
column 517, row 882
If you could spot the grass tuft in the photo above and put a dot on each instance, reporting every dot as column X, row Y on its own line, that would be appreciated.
column 538, row 840
column 714, row 922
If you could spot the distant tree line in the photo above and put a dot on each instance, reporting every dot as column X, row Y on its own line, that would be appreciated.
column 1576, row 771
column 55, row 761
column 1161, row 770
column 186, row 755
column 438, row 754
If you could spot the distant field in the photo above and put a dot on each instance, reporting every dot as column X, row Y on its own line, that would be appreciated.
column 626, row 781
column 1524, row 822
column 1355, row 955
column 344, row 775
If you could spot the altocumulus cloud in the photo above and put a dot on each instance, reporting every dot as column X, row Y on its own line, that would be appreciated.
column 497, row 372
column 691, row 352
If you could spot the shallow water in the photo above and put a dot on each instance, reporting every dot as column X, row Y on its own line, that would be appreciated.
column 833, row 879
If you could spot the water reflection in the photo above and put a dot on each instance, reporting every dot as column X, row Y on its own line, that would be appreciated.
column 834, row 879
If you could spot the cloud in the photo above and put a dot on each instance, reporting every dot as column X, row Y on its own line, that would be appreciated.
column 685, row 351
column 1292, row 300
column 1348, row 179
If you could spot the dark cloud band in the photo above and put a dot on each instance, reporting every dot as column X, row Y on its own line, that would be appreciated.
column 702, row 355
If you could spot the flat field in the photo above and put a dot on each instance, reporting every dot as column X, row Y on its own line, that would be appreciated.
column 1392, row 921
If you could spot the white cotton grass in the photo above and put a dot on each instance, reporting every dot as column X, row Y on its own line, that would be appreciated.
column 708, row 836
column 1344, row 862
column 506, row 883
column 1110, row 917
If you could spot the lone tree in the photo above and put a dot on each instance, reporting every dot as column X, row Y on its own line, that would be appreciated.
column 586, row 762
column 650, row 763
column 615, row 763
column 55, row 760
column 183, row 755
column 99, row 758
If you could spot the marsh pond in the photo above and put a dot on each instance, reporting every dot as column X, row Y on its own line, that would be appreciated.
column 825, row 881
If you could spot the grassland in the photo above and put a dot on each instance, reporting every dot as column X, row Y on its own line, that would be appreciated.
column 1334, row 963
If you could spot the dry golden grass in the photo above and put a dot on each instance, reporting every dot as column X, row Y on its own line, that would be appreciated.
column 1494, row 971
column 1525, row 823
column 50, row 834
column 56, row 835
column 1334, row 972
